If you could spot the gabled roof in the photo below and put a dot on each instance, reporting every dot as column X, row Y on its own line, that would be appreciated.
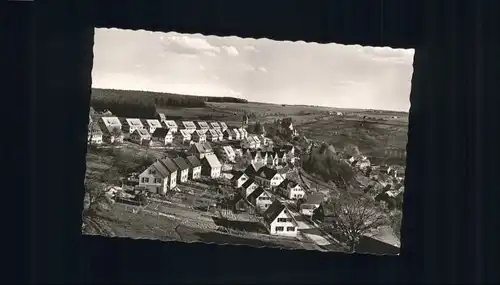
column 251, row 170
column 236, row 131
column 213, row 133
column 193, row 161
column 315, row 198
column 229, row 150
column 230, row 132
column 189, row 124
column 161, row 133
column 200, row 133
column 134, row 122
column 185, row 133
column 219, row 133
column 280, row 154
column 288, row 183
column 181, row 163
column 254, row 153
column 153, row 123
column 250, row 139
column 247, row 183
column 215, row 125
column 273, row 211
column 169, row 164
column 212, row 160
column 170, row 124
column 162, row 116
column 94, row 128
column 207, row 146
column 201, row 147
column 256, row 193
column 256, row 139
column 237, row 174
column 223, row 125
column 203, row 125
column 161, row 169
column 111, row 121
column 266, row 172
column 142, row 132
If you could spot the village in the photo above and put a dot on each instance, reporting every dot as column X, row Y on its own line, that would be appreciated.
column 244, row 181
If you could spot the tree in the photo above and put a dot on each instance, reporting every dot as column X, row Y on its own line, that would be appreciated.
column 95, row 197
column 353, row 217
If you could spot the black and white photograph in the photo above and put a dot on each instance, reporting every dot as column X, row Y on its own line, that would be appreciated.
column 241, row 141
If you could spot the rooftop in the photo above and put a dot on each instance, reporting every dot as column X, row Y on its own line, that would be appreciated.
column 170, row 123
column 169, row 164
column 213, row 161
column 181, row 163
column 193, row 161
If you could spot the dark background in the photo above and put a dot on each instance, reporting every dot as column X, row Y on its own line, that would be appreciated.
column 448, row 232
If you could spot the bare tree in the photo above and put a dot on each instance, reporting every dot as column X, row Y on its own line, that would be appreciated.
column 353, row 217
column 95, row 197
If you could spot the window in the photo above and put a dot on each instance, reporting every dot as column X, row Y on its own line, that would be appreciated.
column 279, row 229
column 282, row 220
column 290, row 229
column 145, row 180
column 157, row 180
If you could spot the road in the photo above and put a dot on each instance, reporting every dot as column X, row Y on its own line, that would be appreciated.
column 309, row 231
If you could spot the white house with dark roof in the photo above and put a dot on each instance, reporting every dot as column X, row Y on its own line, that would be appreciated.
column 152, row 125
column 243, row 132
column 215, row 126
column 313, row 201
column 183, row 137
column 189, row 126
column 200, row 149
column 239, row 177
column 237, row 134
column 161, row 117
column 112, row 129
column 220, row 135
column 199, row 136
column 228, row 153
column 171, row 125
column 291, row 189
column 159, row 177
column 140, row 136
column 132, row 124
column 202, row 125
column 248, row 186
column 182, row 169
column 279, row 220
column 211, row 166
column 163, row 136
column 257, row 141
column 260, row 199
column 223, row 126
column 268, row 177
column 194, row 167
column 212, row 135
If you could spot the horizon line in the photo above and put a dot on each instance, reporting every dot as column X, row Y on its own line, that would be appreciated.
column 260, row 102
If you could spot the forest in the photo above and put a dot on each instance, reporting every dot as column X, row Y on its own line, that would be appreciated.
column 143, row 104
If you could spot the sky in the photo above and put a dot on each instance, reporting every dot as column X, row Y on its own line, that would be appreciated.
column 261, row 70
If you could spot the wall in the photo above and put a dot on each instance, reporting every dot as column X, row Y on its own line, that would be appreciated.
column 275, row 223
column 151, row 185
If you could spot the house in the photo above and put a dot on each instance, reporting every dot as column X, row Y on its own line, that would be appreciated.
column 183, row 137
column 229, row 134
column 248, row 187
column 237, row 134
column 194, row 167
column 228, row 154
column 272, row 158
column 256, row 156
column 239, row 203
column 223, row 126
column 162, row 135
column 260, row 199
column 199, row 136
column 291, row 189
column 248, row 142
column 182, row 169
column 215, row 126
column 212, row 135
column 112, row 129
column 94, row 134
column 159, row 177
column 161, row 117
column 220, row 135
column 239, row 178
column 132, row 124
column 268, row 177
column 202, row 125
column 140, row 136
column 253, row 168
column 257, row 142
column 280, row 157
column 211, row 166
column 279, row 220
column 152, row 125
column 171, row 125
column 189, row 126
column 155, row 178
column 313, row 201
column 200, row 149
column 243, row 132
